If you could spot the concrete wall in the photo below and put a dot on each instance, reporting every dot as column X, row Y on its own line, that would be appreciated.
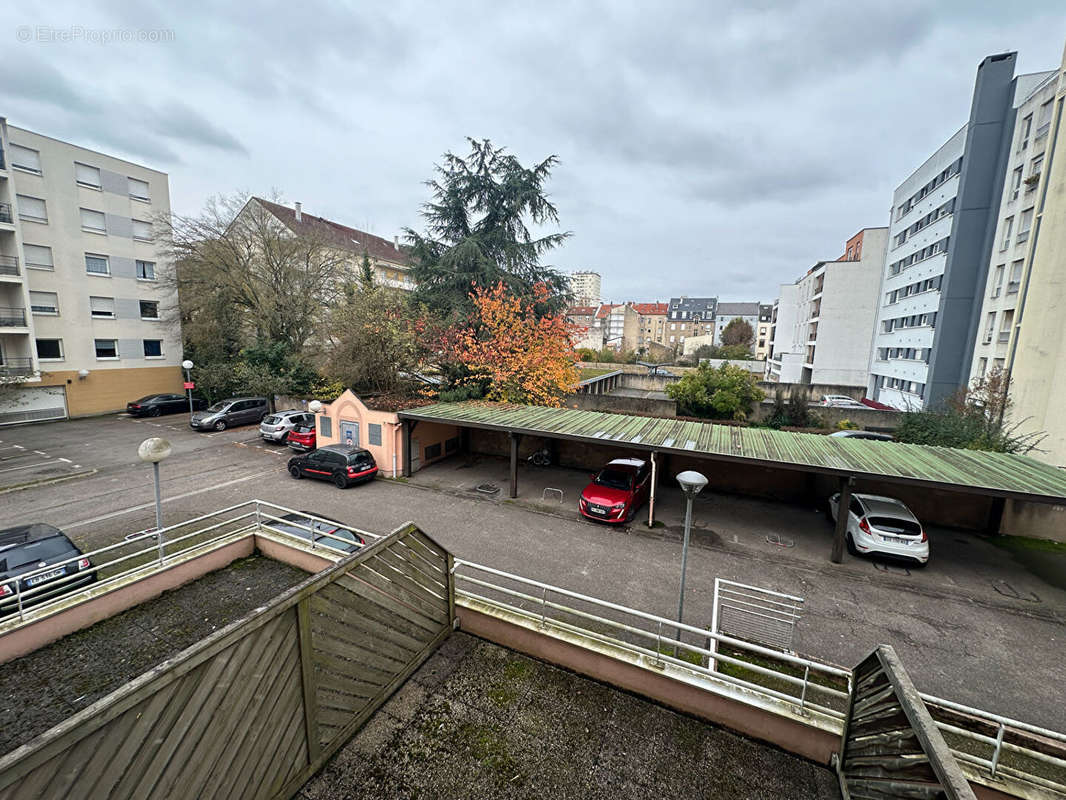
column 1038, row 520
column 107, row 390
column 870, row 419
column 656, row 406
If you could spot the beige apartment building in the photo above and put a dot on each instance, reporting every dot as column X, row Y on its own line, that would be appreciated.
column 586, row 287
column 88, row 319
column 651, row 323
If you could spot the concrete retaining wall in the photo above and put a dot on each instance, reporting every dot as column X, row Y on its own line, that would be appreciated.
column 612, row 402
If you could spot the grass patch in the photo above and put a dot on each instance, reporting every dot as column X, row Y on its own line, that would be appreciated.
column 1027, row 543
column 682, row 654
column 586, row 373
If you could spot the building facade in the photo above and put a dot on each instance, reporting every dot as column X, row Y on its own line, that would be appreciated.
column 689, row 316
column 746, row 312
column 762, row 332
column 825, row 320
column 586, row 287
column 1014, row 222
column 621, row 326
column 940, row 240
column 651, row 323
column 589, row 332
column 88, row 315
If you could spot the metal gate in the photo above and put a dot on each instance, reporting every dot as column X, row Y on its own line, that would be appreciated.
column 34, row 404
column 754, row 614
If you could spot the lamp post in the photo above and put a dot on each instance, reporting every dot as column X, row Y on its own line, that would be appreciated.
column 153, row 451
column 187, row 365
column 691, row 484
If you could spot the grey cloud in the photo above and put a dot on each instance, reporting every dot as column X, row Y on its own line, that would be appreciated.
column 178, row 121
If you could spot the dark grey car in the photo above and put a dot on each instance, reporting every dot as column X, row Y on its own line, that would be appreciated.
column 227, row 413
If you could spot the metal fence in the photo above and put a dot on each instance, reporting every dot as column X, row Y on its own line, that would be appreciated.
column 258, row 707
column 757, row 615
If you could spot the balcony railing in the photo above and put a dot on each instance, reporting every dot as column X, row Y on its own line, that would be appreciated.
column 12, row 317
column 1004, row 337
column 1012, row 287
column 16, row 368
column 9, row 265
column 5, row 212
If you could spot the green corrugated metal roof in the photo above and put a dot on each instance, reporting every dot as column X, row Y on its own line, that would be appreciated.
column 964, row 470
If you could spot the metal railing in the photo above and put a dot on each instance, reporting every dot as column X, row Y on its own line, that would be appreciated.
column 16, row 367
column 151, row 550
column 805, row 684
column 12, row 317
column 9, row 265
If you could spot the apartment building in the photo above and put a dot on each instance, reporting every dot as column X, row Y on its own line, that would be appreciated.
column 390, row 261
column 689, row 316
column 651, row 323
column 589, row 332
column 824, row 321
column 88, row 318
column 762, row 332
column 621, row 325
column 746, row 312
column 1014, row 222
column 586, row 287
column 940, row 240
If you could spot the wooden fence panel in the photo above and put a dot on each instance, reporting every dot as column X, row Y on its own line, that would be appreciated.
column 258, row 707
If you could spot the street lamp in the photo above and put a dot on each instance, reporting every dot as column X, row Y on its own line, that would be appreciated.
column 153, row 451
column 691, row 484
column 187, row 365
column 314, row 406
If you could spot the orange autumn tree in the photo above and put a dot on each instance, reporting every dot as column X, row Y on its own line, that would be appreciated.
column 525, row 358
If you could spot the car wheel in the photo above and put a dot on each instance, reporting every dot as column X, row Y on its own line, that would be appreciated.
column 284, row 438
column 340, row 481
column 153, row 412
column 295, row 472
column 851, row 545
column 220, row 425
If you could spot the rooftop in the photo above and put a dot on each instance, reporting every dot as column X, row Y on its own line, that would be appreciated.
column 651, row 308
column 478, row 720
column 738, row 309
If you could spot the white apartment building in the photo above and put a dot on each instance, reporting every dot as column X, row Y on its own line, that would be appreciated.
column 586, row 286
column 727, row 312
column 825, row 320
column 87, row 316
column 1014, row 222
column 940, row 240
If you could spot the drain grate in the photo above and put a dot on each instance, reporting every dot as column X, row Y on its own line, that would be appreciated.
column 487, row 488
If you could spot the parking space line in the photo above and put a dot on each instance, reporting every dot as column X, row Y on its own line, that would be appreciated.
column 30, row 466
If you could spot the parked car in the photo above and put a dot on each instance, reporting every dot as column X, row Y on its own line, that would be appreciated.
column 882, row 525
column 226, row 413
column 870, row 435
column 617, row 491
column 302, row 438
column 278, row 426
column 840, row 401
column 27, row 549
column 325, row 531
column 155, row 404
column 341, row 463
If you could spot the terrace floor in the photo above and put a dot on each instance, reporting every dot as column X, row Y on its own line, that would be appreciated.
column 43, row 688
column 478, row 721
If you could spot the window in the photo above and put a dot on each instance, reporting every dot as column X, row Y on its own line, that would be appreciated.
column 24, row 158
column 433, row 451
column 1024, row 224
column 998, row 282
column 673, row 327
column 97, row 264
column 106, row 348
column 44, row 303
column 1015, row 183
column 139, row 190
column 93, row 221
column 149, row 309
column 325, row 427
column 451, row 445
column 102, row 307
column 49, row 349
column 37, row 256
column 374, row 433
column 153, row 348
column 1027, row 128
column 87, row 176
column 1043, row 117
column 1015, row 276
column 1008, row 228
column 146, row 270
column 32, row 209
column 142, row 230
column 990, row 326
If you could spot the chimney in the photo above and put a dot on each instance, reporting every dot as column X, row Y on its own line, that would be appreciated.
column 299, row 212
column 396, row 242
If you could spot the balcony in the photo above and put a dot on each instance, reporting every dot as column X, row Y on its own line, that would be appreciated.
column 12, row 317
column 1004, row 337
column 16, row 368
column 9, row 265
column 5, row 213
column 1012, row 287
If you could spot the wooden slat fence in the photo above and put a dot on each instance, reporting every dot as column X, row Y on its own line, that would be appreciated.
column 255, row 709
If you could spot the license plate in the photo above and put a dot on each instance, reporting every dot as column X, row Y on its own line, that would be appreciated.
column 894, row 540
column 37, row 579
column 597, row 509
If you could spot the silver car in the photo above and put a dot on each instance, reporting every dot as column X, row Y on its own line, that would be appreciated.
column 278, row 426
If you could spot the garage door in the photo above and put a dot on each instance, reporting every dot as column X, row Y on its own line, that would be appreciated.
column 33, row 404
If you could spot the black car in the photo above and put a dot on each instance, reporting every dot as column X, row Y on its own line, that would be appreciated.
column 326, row 531
column 341, row 463
column 155, row 404
column 25, row 552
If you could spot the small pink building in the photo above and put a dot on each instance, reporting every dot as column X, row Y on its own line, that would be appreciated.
column 347, row 420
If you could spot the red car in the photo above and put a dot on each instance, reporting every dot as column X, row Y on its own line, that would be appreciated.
column 302, row 438
column 617, row 491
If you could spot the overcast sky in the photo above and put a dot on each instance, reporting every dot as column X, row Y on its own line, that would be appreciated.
column 705, row 148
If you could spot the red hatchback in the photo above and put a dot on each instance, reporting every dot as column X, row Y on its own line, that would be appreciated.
column 302, row 438
column 617, row 491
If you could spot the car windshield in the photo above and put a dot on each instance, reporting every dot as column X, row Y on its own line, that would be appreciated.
column 902, row 527
column 325, row 533
column 51, row 549
column 271, row 420
column 218, row 407
column 613, row 479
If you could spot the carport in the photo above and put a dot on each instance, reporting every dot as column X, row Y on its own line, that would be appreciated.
column 997, row 476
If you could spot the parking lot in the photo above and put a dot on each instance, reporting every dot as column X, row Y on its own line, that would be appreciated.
column 963, row 625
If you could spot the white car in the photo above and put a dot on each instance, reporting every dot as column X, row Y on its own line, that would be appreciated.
column 882, row 525
column 840, row 401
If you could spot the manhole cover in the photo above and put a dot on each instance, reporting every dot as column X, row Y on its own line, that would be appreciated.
column 487, row 488
column 780, row 541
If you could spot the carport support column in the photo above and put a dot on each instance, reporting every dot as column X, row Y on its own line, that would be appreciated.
column 515, row 439
column 651, row 497
column 842, row 520
column 406, row 446
column 995, row 516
